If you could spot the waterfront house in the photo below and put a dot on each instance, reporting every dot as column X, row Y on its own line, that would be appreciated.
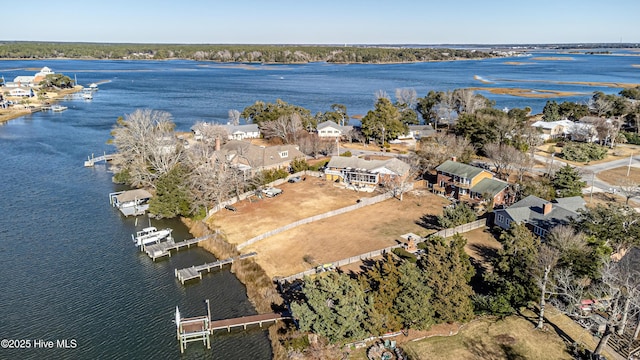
column 470, row 184
column 365, row 175
column 21, row 92
column 331, row 130
column 241, row 132
column 254, row 158
column 538, row 214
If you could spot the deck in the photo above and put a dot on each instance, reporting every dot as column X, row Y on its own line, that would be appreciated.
column 155, row 251
column 91, row 160
column 245, row 321
column 195, row 272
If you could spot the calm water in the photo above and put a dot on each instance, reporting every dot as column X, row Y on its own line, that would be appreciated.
column 69, row 268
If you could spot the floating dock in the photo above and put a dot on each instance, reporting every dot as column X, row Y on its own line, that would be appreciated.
column 155, row 251
column 195, row 272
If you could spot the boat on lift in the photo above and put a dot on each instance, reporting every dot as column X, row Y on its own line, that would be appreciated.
column 150, row 235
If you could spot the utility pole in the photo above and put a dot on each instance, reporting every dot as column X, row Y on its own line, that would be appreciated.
column 629, row 167
column 593, row 175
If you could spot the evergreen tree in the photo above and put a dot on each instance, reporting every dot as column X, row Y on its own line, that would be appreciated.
column 567, row 182
column 382, row 282
column 457, row 215
column 172, row 196
column 334, row 306
column 551, row 111
column 618, row 226
column 511, row 277
column 413, row 303
column 447, row 273
column 383, row 121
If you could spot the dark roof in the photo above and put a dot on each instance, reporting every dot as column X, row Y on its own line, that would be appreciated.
column 459, row 169
column 394, row 165
column 530, row 210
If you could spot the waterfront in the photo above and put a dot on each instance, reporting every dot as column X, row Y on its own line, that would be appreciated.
column 70, row 270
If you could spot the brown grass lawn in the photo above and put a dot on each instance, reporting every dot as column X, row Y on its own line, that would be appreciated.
column 619, row 152
column 511, row 338
column 370, row 228
column 481, row 245
column 618, row 175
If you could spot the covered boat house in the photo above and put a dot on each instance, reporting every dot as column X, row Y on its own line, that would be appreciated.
column 131, row 202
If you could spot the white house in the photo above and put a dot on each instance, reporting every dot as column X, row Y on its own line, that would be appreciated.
column 331, row 130
column 21, row 92
column 554, row 129
column 418, row 131
column 241, row 132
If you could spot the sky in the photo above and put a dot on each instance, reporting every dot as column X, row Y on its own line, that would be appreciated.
column 323, row 21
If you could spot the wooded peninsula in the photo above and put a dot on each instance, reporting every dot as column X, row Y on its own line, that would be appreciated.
column 238, row 53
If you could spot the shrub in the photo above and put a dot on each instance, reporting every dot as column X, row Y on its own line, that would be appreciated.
column 583, row 152
column 632, row 138
column 346, row 154
column 405, row 255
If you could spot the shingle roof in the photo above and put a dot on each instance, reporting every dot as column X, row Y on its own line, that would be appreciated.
column 397, row 166
column 530, row 210
column 459, row 169
column 334, row 125
column 489, row 186
column 259, row 156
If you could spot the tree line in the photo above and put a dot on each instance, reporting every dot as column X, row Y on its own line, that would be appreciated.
column 234, row 53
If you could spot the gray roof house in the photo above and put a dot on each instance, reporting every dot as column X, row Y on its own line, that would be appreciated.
column 364, row 174
column 248, row 157
column 538, row 214
column 241, row 132
column 330, row 129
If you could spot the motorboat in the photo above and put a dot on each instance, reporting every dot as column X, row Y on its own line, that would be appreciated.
column 150, row 235
column 58, row 108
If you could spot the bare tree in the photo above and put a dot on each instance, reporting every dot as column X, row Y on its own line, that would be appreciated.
column 547, row 260
column 467, row 102
column 399, row 184
column 441, row 147
column 381, row 94
column 143, row 137
column 287, row 128
column 569, row 291
column 208, row 178
column 522, row 163
column 565, row 239
column 620, row 284
column 628, row 188
column 310, row 144
column 502, row 156
column 445, row 108
column 408, row 97
column 234, row 117
column 607, row 130
column 600, row 105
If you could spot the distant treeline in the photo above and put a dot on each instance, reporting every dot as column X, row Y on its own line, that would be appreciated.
column 235, row 53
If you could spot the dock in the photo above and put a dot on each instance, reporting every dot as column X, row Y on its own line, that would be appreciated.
column 155, row 251
column 91, row 160
column 200, row 328
column 195, row 272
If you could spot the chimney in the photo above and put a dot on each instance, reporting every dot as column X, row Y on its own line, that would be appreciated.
column 453, row 158
column 547, row 208
column 217, row 144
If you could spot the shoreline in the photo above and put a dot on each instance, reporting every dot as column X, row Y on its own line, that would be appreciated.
column 12, row 114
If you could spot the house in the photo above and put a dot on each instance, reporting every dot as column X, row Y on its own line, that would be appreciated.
column 21, row 92
column 331, row 130
column 554, row 129
column 131, row 202
column 469, row 183
column 253, row 158
column 418, row 132
column 241, row 132
column 538, row 214
column 365, row 175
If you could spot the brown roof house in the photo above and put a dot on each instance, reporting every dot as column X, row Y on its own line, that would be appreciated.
column 254, row 158
column 365, row 175
column 470, row 184
column 538, row 214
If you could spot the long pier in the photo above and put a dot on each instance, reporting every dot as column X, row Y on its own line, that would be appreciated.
column 155, row 251
column 194, row 272
column 200, row 328
column 91, row 160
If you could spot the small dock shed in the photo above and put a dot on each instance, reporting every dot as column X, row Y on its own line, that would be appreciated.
column 131, row 202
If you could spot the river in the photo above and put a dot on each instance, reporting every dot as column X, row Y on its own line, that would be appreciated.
column 69, row 267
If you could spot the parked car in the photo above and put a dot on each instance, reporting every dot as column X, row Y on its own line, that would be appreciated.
column 295, row 179
column 230, row 208
column 271, row 192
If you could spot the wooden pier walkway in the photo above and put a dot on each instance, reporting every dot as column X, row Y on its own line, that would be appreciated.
column 200, row 328
column 195, row 272
column 91, row 160
column 162, row 249
column 246, row 321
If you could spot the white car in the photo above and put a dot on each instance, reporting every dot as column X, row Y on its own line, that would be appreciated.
column 271, row 192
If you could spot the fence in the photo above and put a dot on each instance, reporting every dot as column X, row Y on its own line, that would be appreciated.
column 442, row 233
column 363, row 202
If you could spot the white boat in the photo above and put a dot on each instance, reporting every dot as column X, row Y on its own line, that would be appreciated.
column 93, row 87
column 87, row 95
column 150, row 235
column 58, row 108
